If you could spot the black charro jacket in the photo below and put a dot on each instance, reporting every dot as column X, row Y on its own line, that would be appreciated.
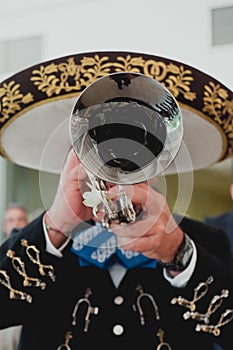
column 49, row 317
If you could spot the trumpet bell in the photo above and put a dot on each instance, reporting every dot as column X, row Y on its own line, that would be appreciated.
column 126, row 128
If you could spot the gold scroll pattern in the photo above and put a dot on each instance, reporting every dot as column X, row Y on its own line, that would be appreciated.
column 218, row 105
column 12, row 99
column 72, row 77
column 176, row 79
column 90, row 68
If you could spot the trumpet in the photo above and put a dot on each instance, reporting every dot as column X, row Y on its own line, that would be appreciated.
column 125, row 128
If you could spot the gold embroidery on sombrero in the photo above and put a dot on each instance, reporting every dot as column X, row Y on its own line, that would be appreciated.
column 12, row 99
column 177, row 83
column 176, row 79
column 218, row 105
column 69, row 75
column 129, row 64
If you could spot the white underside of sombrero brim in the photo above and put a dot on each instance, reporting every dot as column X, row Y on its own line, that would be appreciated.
column 40, row 139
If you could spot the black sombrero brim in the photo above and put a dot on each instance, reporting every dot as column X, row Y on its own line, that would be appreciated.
column 36, row 105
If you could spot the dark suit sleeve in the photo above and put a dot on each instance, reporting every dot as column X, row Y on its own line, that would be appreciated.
column 214, row 240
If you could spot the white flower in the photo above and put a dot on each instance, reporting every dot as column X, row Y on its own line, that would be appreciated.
column 92, row 198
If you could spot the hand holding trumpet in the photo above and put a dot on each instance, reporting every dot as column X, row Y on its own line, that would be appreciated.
column 154, row 233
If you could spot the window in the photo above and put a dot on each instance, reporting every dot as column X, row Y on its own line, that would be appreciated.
column 19, row 53
column 222, row 26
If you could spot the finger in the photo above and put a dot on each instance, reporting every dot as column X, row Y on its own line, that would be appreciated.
column 137, row 193
column 146, row 245
column 71, row 160
column 135, row 230
column 73, row 167
column 82, row 174
column 148, row 198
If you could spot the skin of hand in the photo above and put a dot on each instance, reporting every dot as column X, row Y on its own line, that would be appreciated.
column 67, row 209
column 155, row 234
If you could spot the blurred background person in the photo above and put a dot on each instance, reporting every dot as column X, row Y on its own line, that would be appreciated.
column 15, row 217
column 224, row 221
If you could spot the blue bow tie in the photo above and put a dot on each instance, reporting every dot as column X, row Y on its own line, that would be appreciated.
column 98, row 246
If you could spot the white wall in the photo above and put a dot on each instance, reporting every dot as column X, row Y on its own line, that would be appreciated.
column 178, row 29
column 3, row 189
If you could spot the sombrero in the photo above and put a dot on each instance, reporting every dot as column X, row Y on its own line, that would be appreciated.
column 36, row 105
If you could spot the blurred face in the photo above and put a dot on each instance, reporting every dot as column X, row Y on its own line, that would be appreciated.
column 14, row 218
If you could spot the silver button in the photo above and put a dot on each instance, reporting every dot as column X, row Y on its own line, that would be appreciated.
column 118, row 300
column 118, row 329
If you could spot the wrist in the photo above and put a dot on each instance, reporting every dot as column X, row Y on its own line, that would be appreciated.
column 62, row 223
column 56, row 235
column 182, row 257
